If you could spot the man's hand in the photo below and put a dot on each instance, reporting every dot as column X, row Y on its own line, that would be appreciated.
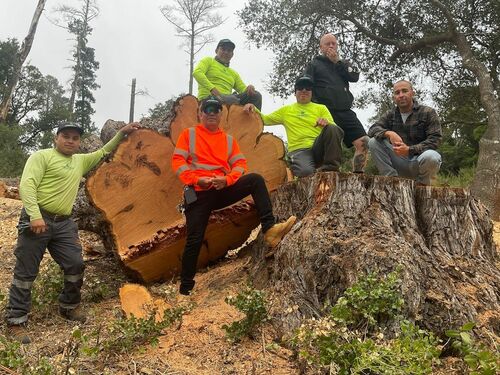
column 215, row 92
column 219, row 182
column 250, row 90
column 127, row 129
column 332, row 55
column 205, row 182
column 249, row 108
column 401, row 149
column 38, row 226
column 393, row 137
column 321, row 122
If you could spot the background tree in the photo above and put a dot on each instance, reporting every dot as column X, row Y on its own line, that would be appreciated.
column 20, row 57
column 192, row 19
column 390, row 40
column 77, row 22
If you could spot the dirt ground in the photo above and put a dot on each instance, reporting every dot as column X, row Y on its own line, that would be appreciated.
column 195, row 346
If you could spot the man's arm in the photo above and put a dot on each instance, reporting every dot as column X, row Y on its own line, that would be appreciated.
column 199, row 74
column 382, row 126
column 239, row 86
column 434, row 135
column 238, row 164
column 180, row 164
column 33, row 172
column 348, row 71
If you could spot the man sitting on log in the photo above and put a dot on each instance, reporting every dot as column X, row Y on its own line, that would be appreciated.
column 48, row 189
column 314, row 141
column 216, row 78
column 406, row 137
column 209, row 163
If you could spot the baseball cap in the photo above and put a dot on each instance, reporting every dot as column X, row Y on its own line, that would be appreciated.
column 304, row 82
column 211, row 105
column 226, row 41
column 69, row 125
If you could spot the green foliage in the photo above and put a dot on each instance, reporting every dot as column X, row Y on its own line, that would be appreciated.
column 47, row 286
column 13, row 357
column 12, row 156
column 462, row 179
column 252, row 303
column 161, row 110
column 480, row 360
column 337, row 342
column 127, row 334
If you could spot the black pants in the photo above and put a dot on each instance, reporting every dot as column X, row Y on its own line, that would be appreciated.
column 198, row 212
column 61, row 238
column 350, row 124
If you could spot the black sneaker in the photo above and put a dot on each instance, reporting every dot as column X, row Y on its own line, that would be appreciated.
column 76, row 315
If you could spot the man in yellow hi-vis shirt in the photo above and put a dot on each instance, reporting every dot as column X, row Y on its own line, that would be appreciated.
column 48, row 190
column 314, row 141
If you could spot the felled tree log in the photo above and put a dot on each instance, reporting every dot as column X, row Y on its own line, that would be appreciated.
column 350, row 224
column 137, row 193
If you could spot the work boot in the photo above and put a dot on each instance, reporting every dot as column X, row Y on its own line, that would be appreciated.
column 274, row 234
column 19, row 333
column 327, row 168
column 76, row 315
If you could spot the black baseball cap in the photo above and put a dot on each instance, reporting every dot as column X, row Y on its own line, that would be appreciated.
column 226, row 41
column 304, row 82
column 69, row 125
column 211, row 103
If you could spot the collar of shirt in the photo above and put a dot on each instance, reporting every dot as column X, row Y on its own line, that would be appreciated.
column 221, row 62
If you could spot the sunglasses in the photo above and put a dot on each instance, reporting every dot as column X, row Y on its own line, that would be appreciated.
column 304, row 88
column 210, row 110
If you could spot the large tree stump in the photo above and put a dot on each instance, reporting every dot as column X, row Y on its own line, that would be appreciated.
column 137, row 193
column 351, row 224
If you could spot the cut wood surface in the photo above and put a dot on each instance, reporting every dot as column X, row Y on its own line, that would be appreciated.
column 136, row 301
column 351, row 224
column 138, row 193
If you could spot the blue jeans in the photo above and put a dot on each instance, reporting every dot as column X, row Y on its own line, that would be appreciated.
column 420, row 167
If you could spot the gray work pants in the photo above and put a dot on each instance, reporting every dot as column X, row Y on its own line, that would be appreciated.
column 325, row 154
column 421, row 167
column 61, row 239
column 243, row 99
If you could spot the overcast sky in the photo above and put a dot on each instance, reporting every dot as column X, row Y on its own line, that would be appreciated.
column 132, row 39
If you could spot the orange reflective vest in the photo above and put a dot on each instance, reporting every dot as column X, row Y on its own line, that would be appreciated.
column 201, row 153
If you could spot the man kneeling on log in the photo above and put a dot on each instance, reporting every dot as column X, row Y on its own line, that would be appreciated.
column 48, row 188
column 209, row 163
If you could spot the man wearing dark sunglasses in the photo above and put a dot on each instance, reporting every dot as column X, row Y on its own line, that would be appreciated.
column 216, row 78
column 210, row 164
column 314, row 141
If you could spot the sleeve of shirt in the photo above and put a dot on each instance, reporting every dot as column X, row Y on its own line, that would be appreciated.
column 180, row 164
column 33, row 172
column 434, row 135
column 382, row 125
column 349, row 72
column 239, row 86
column 92, row 159
column 238, row 164
column 325, row 113
column 309, row 70
column 199, row 74
column 275, row 118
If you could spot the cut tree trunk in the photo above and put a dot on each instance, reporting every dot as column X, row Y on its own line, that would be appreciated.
column 138, row 194
column 350, row 224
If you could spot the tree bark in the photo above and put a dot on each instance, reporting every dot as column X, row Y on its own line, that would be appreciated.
column 20, row 58
column 137, row 193
column 351, row 224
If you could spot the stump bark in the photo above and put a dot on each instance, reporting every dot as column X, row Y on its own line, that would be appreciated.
column 138, row 193
column 351, row 224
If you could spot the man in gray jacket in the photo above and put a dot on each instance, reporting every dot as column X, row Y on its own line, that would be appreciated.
column 405, row 139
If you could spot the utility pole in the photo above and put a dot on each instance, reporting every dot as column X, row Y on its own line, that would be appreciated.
column 132, row 101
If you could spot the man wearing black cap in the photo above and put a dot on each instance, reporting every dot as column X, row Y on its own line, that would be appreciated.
column 48, row 188
column 216, row 78
column 314, row 141
column 212, row 168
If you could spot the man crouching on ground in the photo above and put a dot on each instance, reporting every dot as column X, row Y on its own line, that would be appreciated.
column 210, row 165
column 48, row 189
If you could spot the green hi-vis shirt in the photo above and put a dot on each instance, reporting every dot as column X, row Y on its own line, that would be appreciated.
column 50, row 179
column 299, row 121
column 209, row 73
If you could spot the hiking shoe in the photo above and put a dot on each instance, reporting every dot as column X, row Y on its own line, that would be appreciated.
column 274, row 234
column 76, row 315
column 19, row 333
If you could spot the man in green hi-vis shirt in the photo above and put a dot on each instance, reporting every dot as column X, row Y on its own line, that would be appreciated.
column 314, row 141
column 48, row 190
column 216, row 78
